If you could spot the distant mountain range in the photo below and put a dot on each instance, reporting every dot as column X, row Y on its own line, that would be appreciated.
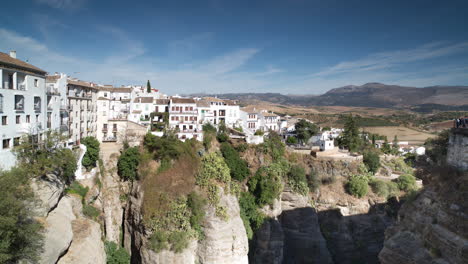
column 370, row 95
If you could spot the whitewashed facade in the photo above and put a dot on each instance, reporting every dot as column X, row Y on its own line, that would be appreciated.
column 22, row 104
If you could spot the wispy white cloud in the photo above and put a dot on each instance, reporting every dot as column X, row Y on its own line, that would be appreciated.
column 63, row 4
column 386, row 60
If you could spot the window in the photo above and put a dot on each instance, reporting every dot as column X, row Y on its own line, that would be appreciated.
column 4, row 120
column 28, row 119
column 37, row 103
column 16, row 141
column 18, row 119
column 1, row 103
column 19, row 102
column 37, row 118
column 6, row 143
column 36, row 82
column 105, row 95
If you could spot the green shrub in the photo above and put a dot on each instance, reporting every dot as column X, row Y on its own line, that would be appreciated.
column 92, row 152
column 196, row 204
column 291, row 140
column 116, row 254
column 372, row 161
column 159, row 241
column 179, row 240
column 259, row 133
column 76, row 188
column 242, row 147
column 273, row 146
column 213, row 168
column 249, row 213
column 209, row 128
column 222, row 137
column 128, row 164
column 207, row 138
column 406, row 182
column 383, row 188
column 358, row 185
column 47, row 156
column 166, row 147
column 237, row 166
column 266, row 184
column 297, row 179
column 90, row 211
column 313, row 181
column 21, row 236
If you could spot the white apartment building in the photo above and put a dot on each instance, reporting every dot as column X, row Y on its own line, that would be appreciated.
column 113, row 107
column 220, row 110
column 270, row 121
column 57, row 110
column 141, row 109
column 183, row 117
column 22, row 104
column 82, row 107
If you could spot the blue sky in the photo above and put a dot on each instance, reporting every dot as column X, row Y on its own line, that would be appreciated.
column 214, row 46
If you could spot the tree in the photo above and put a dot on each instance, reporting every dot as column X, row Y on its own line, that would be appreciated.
column 386, row 147
column 116, row 254
column 20, row 233
column 373, row 140
column 350, row 138
column 92, row 152
column 372, row 161
column 148, row 87
column 395, row 146
column 128, row 164
column 297, row 179
column 305, row 130
column 238, row 167
column 436, row 148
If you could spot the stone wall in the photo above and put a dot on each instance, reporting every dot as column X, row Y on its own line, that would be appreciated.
column 457, row 153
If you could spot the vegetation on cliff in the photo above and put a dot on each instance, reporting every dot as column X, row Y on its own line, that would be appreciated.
column 92, row 152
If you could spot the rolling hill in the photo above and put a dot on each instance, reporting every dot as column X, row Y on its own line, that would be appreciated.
column 371, row 95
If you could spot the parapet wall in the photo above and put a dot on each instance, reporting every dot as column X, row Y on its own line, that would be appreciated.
column 457, row 153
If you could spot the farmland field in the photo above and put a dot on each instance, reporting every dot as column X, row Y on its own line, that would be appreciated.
column 414, row 137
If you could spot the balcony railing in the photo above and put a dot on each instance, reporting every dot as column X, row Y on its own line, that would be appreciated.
column 183, row 112
column 52, row 91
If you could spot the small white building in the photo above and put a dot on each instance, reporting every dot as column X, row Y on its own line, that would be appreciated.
column 326, row 144
column 183, row 117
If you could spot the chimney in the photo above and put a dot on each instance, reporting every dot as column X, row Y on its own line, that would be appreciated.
column 13, row 54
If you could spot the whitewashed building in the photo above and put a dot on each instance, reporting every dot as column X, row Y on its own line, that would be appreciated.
column 183, row 117
column 22, row 104
column 141, row 109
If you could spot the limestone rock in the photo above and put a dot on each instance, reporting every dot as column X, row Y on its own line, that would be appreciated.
column 187, row 256
column 58, row 231
column 48, row 191
column 225, row 240
column 87, row 246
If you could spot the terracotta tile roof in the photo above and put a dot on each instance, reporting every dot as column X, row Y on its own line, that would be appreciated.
column 203, row 103
column 213, row 99
column 136, row 111
column 250, row 110
column 143, row 100
column 52, row 78
column 183, row 101
column 103, row 98
column 230, row 102
column 162, row 101
column 82, row 83
column 9, row 62
column 115, row 89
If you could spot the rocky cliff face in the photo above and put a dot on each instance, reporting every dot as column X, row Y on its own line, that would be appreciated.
column 69, row 237
column 433, row 228
column 292, row 235
column 225, row 240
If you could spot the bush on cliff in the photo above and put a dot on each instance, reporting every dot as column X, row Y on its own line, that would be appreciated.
column 237, row 166
column 372, row 161
column 358, row 185
column 116, row 254
column 92, row 152
column 128, row 164
column 297, row 179
column 266, row 184
column 383, row 188
column 406, row 182
column 250, row 214
column 20, row 233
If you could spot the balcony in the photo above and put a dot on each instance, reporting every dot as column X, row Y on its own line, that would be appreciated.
column 52, row 91
column 8, row 85
column 22, row 87
column 194, row 112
